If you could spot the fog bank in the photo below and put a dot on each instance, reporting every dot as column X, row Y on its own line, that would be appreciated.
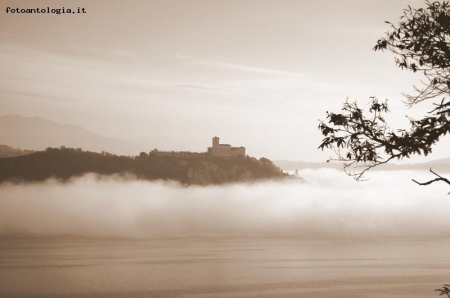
column 329, row 204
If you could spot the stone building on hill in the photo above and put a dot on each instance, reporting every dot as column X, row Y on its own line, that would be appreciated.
column 221, row 150
column 224, row 150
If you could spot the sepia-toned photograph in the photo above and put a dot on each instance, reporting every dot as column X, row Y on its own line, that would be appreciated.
column 224, row 148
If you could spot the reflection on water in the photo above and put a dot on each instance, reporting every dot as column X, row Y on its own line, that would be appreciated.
column 222, row 267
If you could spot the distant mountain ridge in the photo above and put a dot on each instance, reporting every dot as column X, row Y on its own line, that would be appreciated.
column 439, row 165
column 36, row 133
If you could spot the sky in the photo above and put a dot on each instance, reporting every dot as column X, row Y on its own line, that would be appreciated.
column 173, row 74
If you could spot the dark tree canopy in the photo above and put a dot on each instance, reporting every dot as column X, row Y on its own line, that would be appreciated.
column 420, row 43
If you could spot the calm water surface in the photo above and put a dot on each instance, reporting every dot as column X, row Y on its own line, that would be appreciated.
column 222, row 267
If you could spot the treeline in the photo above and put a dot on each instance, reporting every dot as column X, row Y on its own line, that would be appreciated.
column 65, row 163
column 6, row 151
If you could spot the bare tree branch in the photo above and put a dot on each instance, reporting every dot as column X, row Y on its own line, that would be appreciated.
column 440, row 178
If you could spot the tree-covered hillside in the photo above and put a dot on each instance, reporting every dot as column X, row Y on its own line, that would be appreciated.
column 65, row 163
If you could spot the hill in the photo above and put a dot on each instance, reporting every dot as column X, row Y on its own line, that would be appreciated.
column 439, row 165
column 6, row 151
column 202, row 169
column 36, row 133
column 290, row 165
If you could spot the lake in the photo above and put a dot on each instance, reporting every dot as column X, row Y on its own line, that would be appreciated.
column 222, row 267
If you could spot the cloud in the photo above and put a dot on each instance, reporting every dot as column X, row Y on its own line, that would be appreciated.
column 238, row 67
column 244, row 68
column 208, row 88
column 329, row 204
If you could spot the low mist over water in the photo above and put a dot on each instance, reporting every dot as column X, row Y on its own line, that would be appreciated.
column 328, row 204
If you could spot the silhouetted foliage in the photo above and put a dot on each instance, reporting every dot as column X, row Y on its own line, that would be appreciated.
column 65, row 163
column 421, row 43
column 444, row 291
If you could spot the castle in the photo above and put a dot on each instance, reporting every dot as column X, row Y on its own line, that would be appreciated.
column 221, row 150
column 224, row 150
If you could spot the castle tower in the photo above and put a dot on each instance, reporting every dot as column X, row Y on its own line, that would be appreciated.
column 215, row 142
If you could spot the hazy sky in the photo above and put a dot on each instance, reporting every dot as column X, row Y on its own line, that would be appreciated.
column 173, row 74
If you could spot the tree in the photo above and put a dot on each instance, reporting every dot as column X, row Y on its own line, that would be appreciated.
column 420, row 43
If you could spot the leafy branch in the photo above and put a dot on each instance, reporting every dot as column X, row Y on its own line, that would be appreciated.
column 363, row 142
column 444, row 291
column 421, row 43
